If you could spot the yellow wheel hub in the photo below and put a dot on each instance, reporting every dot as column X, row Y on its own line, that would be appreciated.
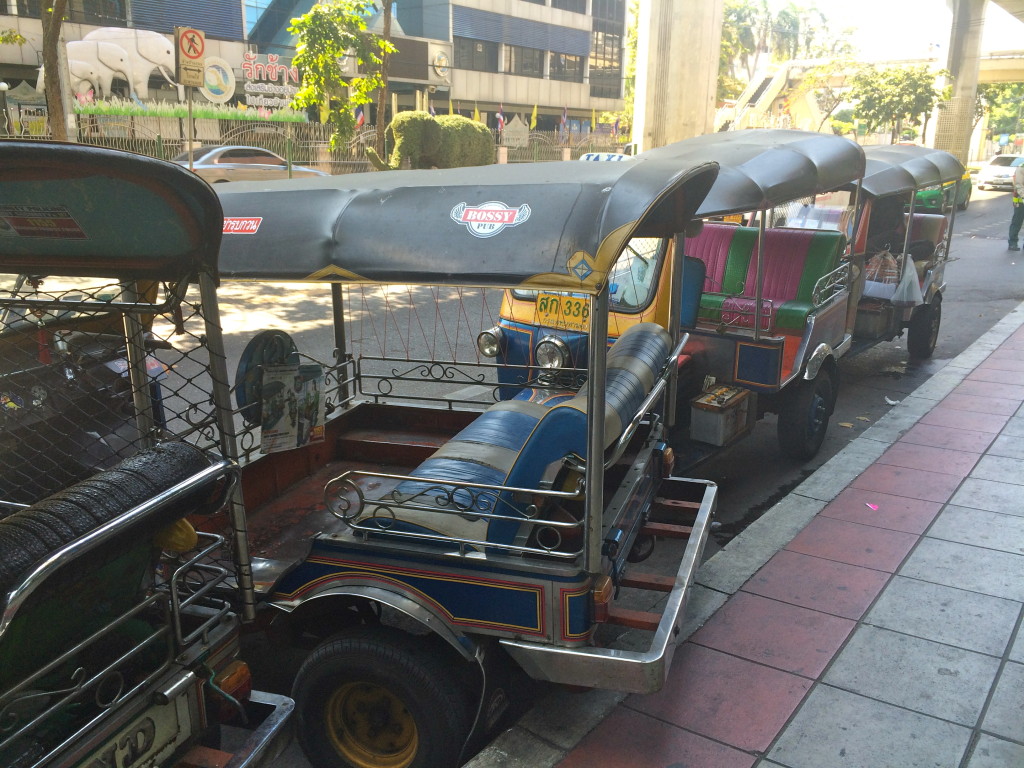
column 370, row 726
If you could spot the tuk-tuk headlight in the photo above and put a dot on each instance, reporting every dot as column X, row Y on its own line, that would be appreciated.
column 551, row 352
column 489, row 341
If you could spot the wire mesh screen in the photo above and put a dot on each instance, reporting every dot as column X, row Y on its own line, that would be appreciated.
column 78, row 393
column 419, row 342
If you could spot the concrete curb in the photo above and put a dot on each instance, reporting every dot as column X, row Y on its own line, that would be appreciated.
column 546, row 734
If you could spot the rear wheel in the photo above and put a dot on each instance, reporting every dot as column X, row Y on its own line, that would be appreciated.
column 923, row 331
column 374, row 697
column 804, row 415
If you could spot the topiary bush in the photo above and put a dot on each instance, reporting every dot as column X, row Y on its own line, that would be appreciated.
column 447, row 141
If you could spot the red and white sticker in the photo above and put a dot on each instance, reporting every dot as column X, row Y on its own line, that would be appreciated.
column 242, row 225
column 488, row 219
column 53, row 221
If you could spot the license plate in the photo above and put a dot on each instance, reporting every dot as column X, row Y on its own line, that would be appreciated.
column 568, row 312
column 148, row 740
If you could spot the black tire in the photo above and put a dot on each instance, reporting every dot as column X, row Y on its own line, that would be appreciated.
column 963, row 206
column 923, row 331
column 804, row 415
column 374, row 696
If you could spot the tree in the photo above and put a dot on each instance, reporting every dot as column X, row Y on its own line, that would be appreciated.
column 752, row 29
column 330, row 32
column 11, row 37
column 52, row 18
column 890, row 96
column 828, row 83
column 382, row 95
column 1002, row 102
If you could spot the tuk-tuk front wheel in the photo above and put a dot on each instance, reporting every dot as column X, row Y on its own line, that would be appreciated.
column 923, row 331
column 374, row 698
column 804, row 415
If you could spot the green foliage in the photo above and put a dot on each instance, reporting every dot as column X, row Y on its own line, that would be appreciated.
column 783, row 31
column 120, row 107
column 445, row 141
column 11, row 37
column 890, row 96
column 827, row 83
column 1002, row 102
column 328, row 33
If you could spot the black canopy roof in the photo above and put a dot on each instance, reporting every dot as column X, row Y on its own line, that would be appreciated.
column 892, row 169
column 764, row 168
column 87, row 211
column 544, row 225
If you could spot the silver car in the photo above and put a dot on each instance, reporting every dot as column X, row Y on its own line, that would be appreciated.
column 220, row 164
column 997, row 173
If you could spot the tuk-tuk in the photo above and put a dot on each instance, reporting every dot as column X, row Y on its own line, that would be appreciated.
column 900, row 254
column 118, row 646
column 762, row 293
column 423, row 536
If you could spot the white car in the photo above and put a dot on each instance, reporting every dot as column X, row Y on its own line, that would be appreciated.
column 220, row 164
column 997, row 173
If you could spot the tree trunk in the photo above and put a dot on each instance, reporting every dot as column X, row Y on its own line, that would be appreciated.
column 382, row 96
column 52, row 21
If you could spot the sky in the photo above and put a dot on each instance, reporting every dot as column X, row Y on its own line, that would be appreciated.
column 910, row 29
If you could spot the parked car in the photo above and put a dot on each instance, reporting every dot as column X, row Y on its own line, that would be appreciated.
column 219, row 164
column 931, row 199
column 997, row 173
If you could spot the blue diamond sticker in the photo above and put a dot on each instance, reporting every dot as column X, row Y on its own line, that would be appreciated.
column 582, row 269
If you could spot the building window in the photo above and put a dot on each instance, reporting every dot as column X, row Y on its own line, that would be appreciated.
column 528, row 62
column 537, row 2
column 475, row 54
column 606, row 60
column 610, row 10
column 566, row 67
column 98, row 12
column 576, row 6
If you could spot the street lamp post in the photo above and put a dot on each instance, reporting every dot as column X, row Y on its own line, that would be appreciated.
column 5, row 117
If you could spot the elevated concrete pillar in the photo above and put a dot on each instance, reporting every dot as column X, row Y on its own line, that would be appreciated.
column 956, row 119
column 676, row 70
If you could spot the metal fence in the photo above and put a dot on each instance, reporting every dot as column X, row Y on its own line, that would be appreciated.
column 305, row 144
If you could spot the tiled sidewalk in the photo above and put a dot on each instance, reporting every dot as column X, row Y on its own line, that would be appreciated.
column 871, row 619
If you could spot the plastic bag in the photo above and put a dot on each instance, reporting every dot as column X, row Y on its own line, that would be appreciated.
column 882, row 276
column 908, row 292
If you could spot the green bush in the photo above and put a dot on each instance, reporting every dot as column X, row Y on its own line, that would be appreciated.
column 447, row 141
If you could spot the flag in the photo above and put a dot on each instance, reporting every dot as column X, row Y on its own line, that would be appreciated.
column 360, row 117
column 565, row 119
column 501, row 117
column 451, row 109
column 432, row 112
column 593, row 120
column 533, row 119
column 476, row 113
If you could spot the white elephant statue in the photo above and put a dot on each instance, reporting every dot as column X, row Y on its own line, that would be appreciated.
column 106, row 60
column 146, row 51
column 83, row 77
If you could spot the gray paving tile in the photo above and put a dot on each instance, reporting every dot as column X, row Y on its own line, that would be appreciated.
column 832, row 477
column 935, row 612
column 1004, row 713
column 896, row 422
column 972, row 568
column 921, row 675
column 999, row 468
column 729, row 569
column 564, row 717
column 1011, row 446
column 980, row 528
column 516, row 748
column 1015, row 426
column 1017, row 651
column 991, row 752
column 835, row 728
column 991, row 495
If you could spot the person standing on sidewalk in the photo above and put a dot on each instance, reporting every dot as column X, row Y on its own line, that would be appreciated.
column 1018, row 207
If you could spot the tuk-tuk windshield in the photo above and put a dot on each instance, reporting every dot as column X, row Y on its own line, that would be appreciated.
column 633, row 277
